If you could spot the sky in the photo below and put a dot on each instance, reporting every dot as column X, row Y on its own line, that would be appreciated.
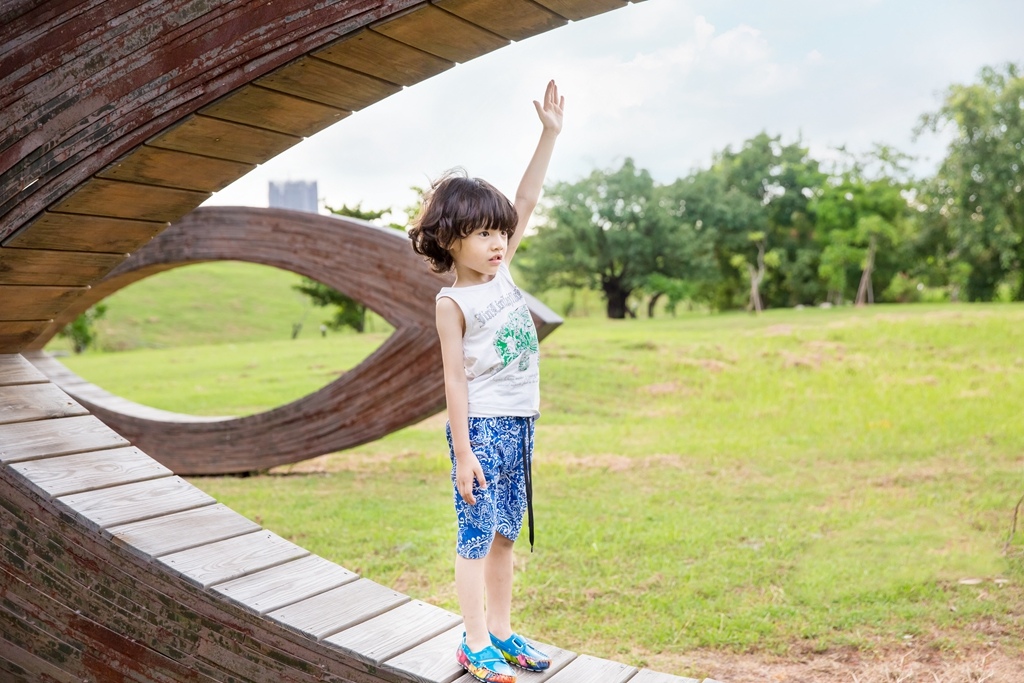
column 668, row 83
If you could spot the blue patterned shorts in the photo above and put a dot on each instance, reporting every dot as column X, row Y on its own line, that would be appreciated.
column 498, row 443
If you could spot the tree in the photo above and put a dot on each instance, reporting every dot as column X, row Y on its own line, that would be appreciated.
column 782, row 180
column 82, row 330
column 863, row 217
column 976, row 194
column 610, row 230
column 347, row 311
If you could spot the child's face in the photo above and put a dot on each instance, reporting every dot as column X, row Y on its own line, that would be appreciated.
column 481, row 251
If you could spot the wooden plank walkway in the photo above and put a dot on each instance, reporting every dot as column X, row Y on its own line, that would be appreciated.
column 104, row 550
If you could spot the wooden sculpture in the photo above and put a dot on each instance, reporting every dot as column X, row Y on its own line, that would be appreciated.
column 399, row 384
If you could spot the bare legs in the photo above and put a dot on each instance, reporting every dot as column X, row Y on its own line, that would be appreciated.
column 489, row 578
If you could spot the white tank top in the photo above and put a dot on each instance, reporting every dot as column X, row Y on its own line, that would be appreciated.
column 500, row 348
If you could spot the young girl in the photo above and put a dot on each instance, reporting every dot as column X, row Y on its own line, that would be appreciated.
column 490, row 352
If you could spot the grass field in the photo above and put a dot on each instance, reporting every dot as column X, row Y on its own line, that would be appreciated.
column 800, row 482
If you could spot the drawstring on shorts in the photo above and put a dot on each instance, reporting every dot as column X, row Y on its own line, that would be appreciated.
column 528, row 476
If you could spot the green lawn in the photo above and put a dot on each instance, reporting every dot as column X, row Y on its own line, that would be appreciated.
column 798, row 481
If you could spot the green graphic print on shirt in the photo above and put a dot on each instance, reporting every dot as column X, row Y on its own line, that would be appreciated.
column 517, row 339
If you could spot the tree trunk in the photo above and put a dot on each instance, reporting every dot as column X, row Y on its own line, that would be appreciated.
column 652, row 303
column 756, row 276
column 865, row 292
column 615, row 294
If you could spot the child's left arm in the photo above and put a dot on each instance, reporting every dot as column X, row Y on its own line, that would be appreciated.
column 528, row 194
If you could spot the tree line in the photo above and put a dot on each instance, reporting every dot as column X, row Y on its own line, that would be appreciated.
column 768, row 225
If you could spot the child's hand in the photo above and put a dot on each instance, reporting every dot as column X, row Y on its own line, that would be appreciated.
column 468, row 470
column 550, row 112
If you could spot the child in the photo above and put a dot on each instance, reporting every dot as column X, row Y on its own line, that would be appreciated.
column 489, row 351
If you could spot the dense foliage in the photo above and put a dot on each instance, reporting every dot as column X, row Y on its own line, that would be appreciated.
column 768, row 225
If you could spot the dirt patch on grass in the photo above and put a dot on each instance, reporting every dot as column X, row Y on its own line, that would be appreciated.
column 909, row 666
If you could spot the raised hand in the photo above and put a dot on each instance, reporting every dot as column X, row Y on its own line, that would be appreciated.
column 550, row 112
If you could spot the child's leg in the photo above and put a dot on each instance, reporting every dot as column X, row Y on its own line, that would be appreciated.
column 498, row 576
column 470, row 577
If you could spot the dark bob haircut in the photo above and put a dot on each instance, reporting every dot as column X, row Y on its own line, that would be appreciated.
column 454, row 207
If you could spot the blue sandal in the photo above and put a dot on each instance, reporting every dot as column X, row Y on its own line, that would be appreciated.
column 487, row 665
column 517, row 650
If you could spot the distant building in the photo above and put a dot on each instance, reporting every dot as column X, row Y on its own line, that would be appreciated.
column 298, row 195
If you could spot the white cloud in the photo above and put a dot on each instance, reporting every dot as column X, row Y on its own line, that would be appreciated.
column 665, row 82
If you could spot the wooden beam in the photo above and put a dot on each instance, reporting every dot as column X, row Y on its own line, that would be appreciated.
column 389, row 60
column 211, row 137
column 327, row 83
column 442, row 34
column 276, row 111
column 581, row 9
column 35, row 303
column 169, row 168
column 512, row 19
column 75, row 232
column 59, row 268
column 116, row 199
column 17, row 335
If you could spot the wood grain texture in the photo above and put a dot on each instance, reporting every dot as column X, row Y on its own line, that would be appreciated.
column 116, row 199
column 30, row 402
column 210, row 137
column 327, row 83
column 581, row 9
column 338, row 609
column 399, row 384
column 19, row 334
column 34, row 303
column 233, row 557
column 648, row 676
column 170, row 168
column 375, row 54
column 511, row 19
column 182, row 530
column 585, row 669
column 47, row 267
column 14, row 369
column 126, row 503
column 63, row 436
column 276, row 111
column 72, row 232
column 394, row 632
column 444, row 35
column 89, row 471
column 285, row 584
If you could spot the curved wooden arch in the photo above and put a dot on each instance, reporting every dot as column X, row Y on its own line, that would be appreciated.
column 118, row 117
column 399, row 384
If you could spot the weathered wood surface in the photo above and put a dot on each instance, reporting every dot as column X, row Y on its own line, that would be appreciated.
column 399, row 384
column 378, row 639
column 49, row 267
column 35, row 402
column 585, row 669
column 330, row 612
column 80, row 472
column 233, row 557
column 27, row 440
column 14, row 369
column 182, row 530
column 648, row 676
column 72, row 232
column 153, row 581
column 174, row 169
column 285, row 584
column 276, row 111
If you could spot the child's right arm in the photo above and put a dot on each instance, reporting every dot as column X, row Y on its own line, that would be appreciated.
column 450, row 324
